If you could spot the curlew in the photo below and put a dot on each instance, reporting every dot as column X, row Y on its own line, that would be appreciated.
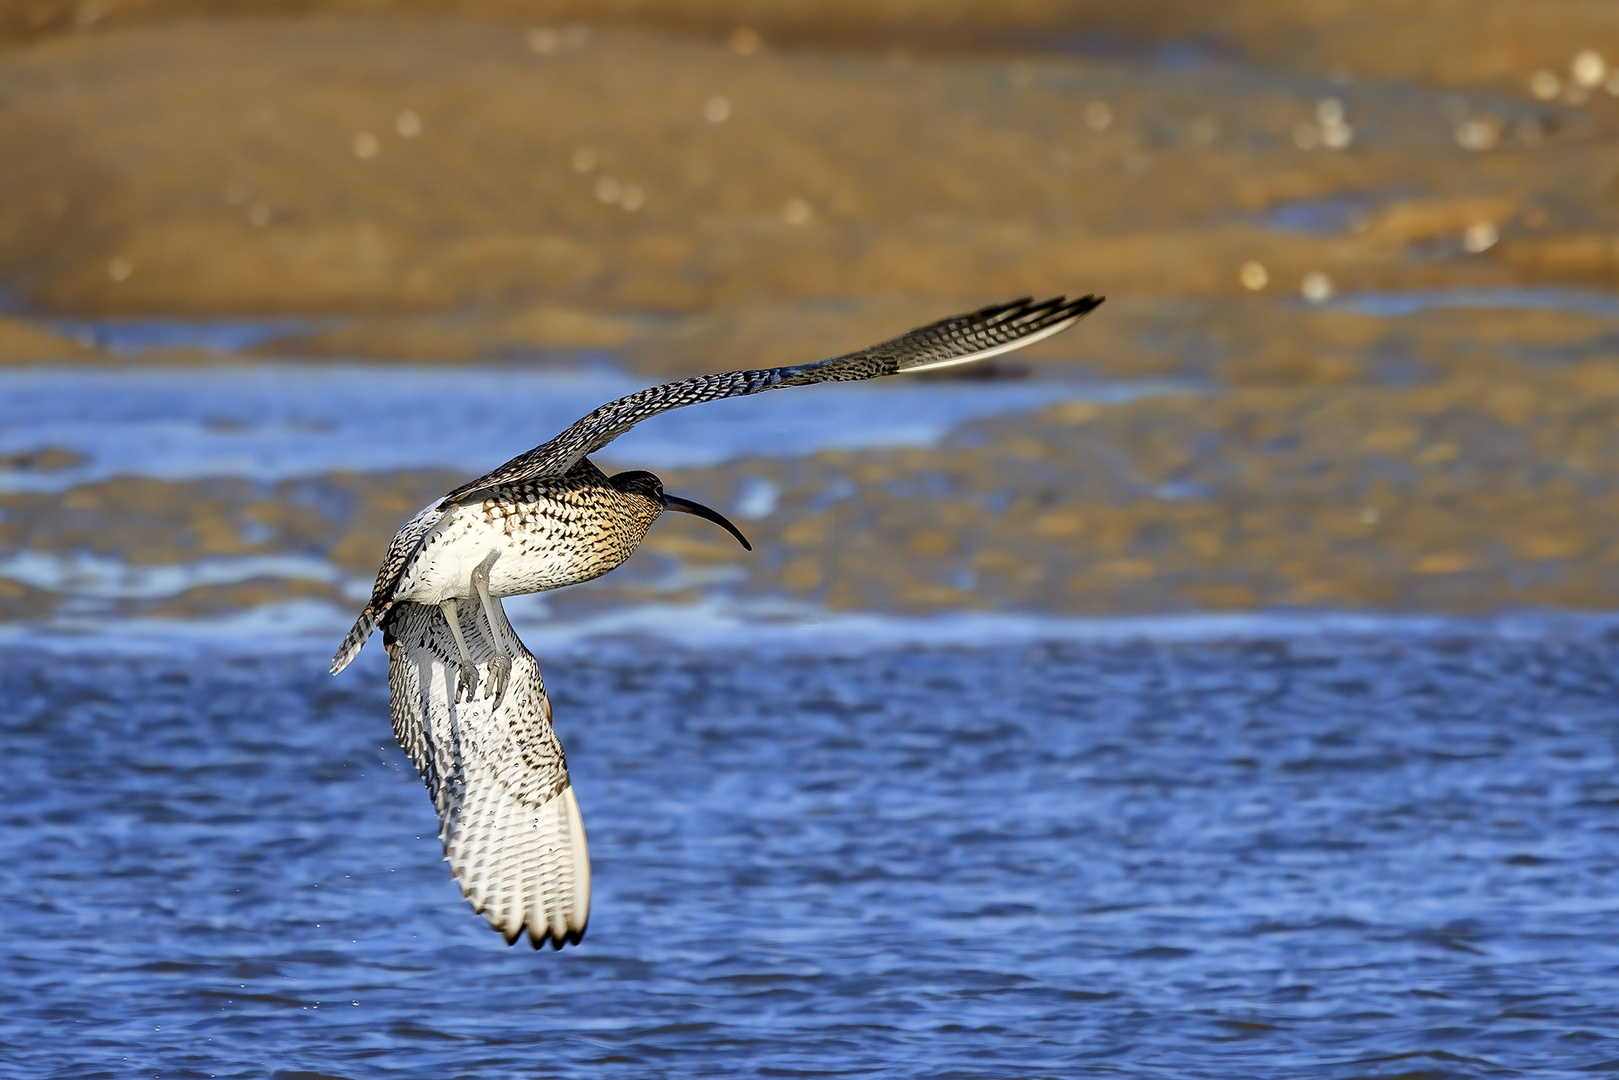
column 468, row 703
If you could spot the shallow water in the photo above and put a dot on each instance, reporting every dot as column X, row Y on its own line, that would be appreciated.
column 1394, row 305
column 1378, row 854
column 210, row 335
column 273, row 421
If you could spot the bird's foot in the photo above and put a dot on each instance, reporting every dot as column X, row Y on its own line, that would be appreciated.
column 500, row 675
column 466, row 682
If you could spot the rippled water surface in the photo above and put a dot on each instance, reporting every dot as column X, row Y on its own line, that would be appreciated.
column 1342, row 856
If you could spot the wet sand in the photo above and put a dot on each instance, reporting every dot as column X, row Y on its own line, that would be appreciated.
column 650, row 188
column 1489, row 483
column 410, row 168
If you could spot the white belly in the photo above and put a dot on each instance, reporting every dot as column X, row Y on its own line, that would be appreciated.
column 523, row 553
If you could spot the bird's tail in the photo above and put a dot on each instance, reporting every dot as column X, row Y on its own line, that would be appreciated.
column 522, row 866
column 356, row 637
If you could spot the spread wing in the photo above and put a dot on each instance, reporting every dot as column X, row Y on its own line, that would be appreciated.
column 508, row 818
column 960, row 339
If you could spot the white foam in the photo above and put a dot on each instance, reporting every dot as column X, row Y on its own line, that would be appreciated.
column 313, row 628
column 296, row 627
column 83, row 574
column 793, row 628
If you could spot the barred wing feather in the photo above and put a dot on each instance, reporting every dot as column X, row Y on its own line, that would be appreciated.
column 406, row 542
column 960, row 339
column 508, row 818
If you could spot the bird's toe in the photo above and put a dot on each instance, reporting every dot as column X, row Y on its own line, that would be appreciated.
column 500, row 674
column 466, row 683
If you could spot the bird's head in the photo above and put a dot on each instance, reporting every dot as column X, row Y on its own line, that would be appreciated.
column 645, row 485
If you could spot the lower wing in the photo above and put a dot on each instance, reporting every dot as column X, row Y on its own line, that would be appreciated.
column 508, row 818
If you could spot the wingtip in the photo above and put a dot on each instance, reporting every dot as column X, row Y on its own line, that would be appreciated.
column 1060, row 309
column 1052, row 309
column 343, row 657
column 1074, row 308
column 556, row 941
column 356, row 638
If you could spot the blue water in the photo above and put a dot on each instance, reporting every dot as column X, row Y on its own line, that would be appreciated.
column 275, row 421
column 210, row 335
column 1369, row 855
column 1395, row 305
column 1317, row 217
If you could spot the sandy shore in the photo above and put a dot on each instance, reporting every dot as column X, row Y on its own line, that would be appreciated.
column 686, row 187
column 412, row 167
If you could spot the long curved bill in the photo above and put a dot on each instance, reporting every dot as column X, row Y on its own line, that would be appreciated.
column 686, row 506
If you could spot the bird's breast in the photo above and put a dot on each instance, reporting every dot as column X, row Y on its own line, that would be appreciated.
column 528, row 544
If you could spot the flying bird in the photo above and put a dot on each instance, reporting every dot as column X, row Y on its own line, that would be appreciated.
column 468, row 703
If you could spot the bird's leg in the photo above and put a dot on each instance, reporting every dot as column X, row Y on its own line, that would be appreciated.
column 500, row 632
column 467, row 678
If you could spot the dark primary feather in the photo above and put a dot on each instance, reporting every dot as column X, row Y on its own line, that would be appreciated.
column 958, row 339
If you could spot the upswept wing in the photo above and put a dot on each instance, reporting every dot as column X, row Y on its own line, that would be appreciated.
column 960, row 339
column 508, row 818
